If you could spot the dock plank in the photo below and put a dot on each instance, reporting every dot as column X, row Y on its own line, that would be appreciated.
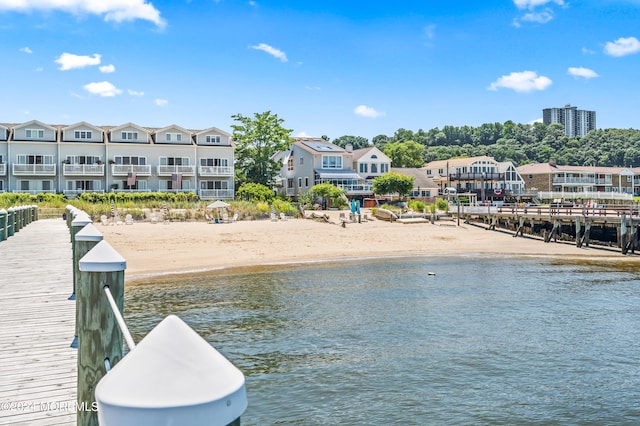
column 38, row 368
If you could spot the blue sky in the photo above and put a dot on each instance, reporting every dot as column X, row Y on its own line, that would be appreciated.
column 327, row 67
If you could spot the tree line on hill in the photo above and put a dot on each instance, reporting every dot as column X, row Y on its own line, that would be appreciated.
column 518, row 143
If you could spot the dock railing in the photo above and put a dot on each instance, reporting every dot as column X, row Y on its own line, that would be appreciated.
column 171, row 375
column 15, row 218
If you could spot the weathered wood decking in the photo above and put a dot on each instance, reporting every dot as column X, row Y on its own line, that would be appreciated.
column 37, row 366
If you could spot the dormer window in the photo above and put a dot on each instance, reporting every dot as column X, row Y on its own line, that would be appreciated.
column 82, row 134
column 34, row 133
column 173, row 137
column 132, row 136
column 331, row 161
column 213, row 139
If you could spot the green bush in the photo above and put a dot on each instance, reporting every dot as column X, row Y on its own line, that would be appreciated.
column 254, row 192
column 417, row 205
column 442, row 204
column 285, row 207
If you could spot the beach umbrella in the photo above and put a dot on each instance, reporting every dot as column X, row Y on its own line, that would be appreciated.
column 218, row 205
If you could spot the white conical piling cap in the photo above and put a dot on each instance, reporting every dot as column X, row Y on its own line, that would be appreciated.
column 89, row 233
column 173, row 376
column 102, row 258
column 81, row 219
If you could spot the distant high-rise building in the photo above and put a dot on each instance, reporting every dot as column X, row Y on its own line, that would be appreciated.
column 576, row 122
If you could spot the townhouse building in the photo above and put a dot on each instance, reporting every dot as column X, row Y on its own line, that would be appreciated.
column 36, row 157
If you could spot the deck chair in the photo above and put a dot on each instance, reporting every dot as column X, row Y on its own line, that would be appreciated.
column 235, row 217
column 128, row 220
column 274, row 218
column 104, row 220
column 225, row 218
column 282, row 216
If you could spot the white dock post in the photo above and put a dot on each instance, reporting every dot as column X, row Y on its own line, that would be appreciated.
column 172, row 377
column 99, row 336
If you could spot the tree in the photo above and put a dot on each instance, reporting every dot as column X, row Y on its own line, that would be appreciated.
column 257, row 140
column 392, row 183
column 249, row 191
column 405, row 154
column 336, row 196
column 356, row 142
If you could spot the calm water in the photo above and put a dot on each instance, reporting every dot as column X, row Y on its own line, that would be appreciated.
column 484, row 341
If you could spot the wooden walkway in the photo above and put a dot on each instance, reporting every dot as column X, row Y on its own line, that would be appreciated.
column 38, row 370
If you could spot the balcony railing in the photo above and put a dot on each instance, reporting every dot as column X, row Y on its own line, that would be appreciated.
column 476, row 176
column 363, row 188
column 3, row 169
column 125, row 169
column 216, row 194
column 170, row 170
column 34, row 191
column 34, row 169
column 83, row 169
column 72, row 193
column 582, row 181
column 215, row 171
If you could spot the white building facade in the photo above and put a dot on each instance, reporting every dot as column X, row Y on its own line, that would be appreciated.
column 36, row 157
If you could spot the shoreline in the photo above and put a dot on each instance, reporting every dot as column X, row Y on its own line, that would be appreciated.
column 198, row 248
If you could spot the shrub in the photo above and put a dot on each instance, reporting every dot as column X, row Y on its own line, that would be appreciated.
column 417, row 205
column 442, row 204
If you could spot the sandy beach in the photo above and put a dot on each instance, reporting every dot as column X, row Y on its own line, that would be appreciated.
column 194, row 247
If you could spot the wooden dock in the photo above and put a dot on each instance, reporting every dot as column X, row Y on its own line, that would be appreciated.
column 38, row 368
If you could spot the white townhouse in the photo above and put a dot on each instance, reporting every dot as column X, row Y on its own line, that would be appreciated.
column 36, row 157
column 311, row 161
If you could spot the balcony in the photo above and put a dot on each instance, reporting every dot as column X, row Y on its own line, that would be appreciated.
column 34, row 170
column 3, row 169
column 479, row 176
column 125, row 169
column 72, row 193
column 216, row 194
column 357, row 189
column 83, row 169
column 215, row 171
column 581, row 180
column 34, row 191
column 171, row 170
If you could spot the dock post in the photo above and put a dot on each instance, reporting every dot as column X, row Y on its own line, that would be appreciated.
column 85, row 240
column 3, row 224
column 99, row 336
column 587, row 234
column 80, row 221
column 11, row 221
column 578, row 231
column 622, row 233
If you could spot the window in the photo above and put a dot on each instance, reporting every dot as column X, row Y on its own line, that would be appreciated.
column 46, row 185
column 83, row 134
column 301, row 161
column 127, row 160
column 173, row 137
column 83, row 185
column 1, row 185
column 34, row 134
column 214, row 184
column 174, row 161
column 331, row 162
column 306, row 182
column 24, row 185
column 374, row 156
column 132, row 136
column 384, row 168
column 290, row 183
column 364, row 168
column 35, row 159
column 440, row 172
column 299, row 182
column 290, row 163
column 212, row 138
column 140, row 184
column 214, row 162
column 82, row 159
column 374, row 168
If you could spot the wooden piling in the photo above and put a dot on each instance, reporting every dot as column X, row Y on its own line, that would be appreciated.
column 11, row 222
column 85, row 240
column 80, row 221
column 99, row 336
column 578, row 231
column 3, row 224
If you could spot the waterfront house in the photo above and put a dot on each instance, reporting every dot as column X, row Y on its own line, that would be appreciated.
column 370, row 162
column 553, row 181
column 424, row 188
column 311, row 161
column 37, row 157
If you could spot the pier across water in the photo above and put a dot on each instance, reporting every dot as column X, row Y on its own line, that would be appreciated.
column 37, row 364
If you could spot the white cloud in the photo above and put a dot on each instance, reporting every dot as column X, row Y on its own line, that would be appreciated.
column 302, row 135
column 103, row 88
column 107, row 69
column 162, row 102
column 26, row 49
column 135, row 92
column 312, row 87
column 586, row 51
column 525, row 81
column 530, row 4
column 585, row 73
column 276, row 53
column 368, row 112
column 538, row 18
column 252, row 3
column 622, row 46
column 112, row 10
column 70, row 61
